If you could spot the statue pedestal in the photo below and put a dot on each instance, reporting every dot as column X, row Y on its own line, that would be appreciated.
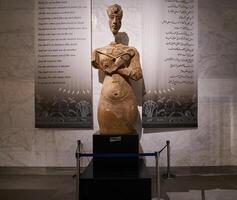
column 115, row 185
column 117, row 178
column 115, row 144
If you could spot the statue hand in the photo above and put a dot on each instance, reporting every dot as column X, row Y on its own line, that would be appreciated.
column 120, row 62
column 112, row 69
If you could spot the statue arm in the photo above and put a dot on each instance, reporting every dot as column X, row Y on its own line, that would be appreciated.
column 134, row 70
column 95, row 60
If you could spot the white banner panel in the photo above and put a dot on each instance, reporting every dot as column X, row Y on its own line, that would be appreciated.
column 170, row 44
column 63, row 96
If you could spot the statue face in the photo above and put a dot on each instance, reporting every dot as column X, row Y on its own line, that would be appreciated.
column 115, row 22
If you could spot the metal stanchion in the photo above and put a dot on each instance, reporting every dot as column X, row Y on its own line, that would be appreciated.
column 78, row 168
column 157, row 175
column 168, row 174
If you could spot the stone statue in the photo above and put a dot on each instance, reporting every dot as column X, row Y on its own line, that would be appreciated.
column 117, row 110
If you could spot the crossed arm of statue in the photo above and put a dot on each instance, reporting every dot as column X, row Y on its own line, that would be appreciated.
column 127, row 64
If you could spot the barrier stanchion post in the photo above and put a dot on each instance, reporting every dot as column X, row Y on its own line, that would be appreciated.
column 168, row 174
column 78, row 169
column 158, row 175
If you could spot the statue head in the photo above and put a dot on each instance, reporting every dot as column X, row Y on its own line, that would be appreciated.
column 115, row 14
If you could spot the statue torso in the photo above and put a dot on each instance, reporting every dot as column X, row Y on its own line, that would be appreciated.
column 115, row 87
column 117, row 110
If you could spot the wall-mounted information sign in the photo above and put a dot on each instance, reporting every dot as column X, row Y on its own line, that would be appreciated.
column 63, row 96
column 170, row 43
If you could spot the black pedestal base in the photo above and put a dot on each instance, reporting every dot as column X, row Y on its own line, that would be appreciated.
column 116, row 144
column 115, row 178
column 115, row 186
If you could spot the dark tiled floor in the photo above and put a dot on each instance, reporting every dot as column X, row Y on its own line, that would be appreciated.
column 47, row 185
column 200, row 187
column 37, row 187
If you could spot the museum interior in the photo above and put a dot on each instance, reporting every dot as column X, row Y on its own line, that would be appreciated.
column 118, row 99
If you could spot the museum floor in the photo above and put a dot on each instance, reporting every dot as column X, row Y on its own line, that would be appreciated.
column 58, row 184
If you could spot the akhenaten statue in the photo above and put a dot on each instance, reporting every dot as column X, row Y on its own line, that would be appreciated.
column 117, row 109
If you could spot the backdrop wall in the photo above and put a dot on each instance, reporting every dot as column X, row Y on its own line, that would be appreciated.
column 214, row 142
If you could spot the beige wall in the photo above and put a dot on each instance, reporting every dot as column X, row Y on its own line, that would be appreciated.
column 214, row 142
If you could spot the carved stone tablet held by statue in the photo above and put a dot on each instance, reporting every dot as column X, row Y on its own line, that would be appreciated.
column 117, row 109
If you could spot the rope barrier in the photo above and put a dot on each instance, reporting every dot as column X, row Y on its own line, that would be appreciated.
column 162, row 149
column 115, row 155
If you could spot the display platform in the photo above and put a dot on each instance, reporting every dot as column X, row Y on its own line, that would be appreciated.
column 115, row 144
column 115, row 185
column 115, row 172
